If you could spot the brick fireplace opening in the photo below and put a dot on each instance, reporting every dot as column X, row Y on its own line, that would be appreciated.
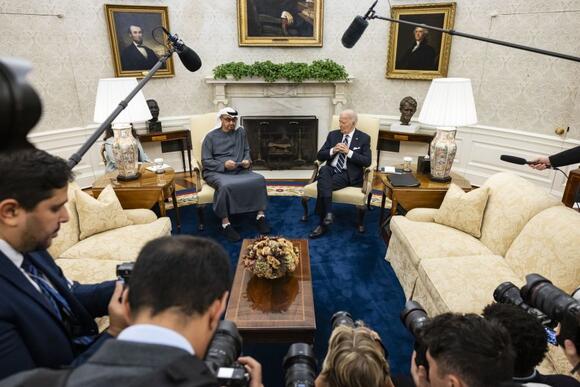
column 282, row 142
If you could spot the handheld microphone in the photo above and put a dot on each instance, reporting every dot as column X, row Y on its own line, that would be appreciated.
column 514, row 160
column 188, row 57
column 357, row 27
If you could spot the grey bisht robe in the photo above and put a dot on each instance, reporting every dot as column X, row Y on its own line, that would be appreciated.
column 236, row 191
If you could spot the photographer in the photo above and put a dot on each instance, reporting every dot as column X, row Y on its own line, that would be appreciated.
column 177, row 293
column 466, row 351
column 355, row 358
column 529, row 342
column 45, row 320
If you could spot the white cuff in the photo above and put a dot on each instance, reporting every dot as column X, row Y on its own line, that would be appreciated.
column 331, row 151
column 349, row 154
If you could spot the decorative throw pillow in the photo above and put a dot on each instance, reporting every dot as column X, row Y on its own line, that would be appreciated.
column 102, row 214
column 463, row 210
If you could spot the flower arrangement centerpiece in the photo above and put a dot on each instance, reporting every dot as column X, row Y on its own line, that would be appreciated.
column 271, row 257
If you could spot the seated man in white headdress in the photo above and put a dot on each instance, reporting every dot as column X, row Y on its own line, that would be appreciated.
column 226, row 167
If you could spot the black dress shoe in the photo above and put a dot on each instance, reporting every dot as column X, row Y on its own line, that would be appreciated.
column 231, row 234
column 263, row 226
column 328, row 219
column 319, row 231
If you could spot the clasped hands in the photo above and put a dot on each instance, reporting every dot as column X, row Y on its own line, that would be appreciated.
column 341, row 148
column 231, row 164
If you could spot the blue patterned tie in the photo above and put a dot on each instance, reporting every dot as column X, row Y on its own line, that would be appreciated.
column 57, row 302
column 341, row 162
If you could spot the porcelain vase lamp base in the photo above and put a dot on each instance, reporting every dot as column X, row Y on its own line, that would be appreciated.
column 443, row 150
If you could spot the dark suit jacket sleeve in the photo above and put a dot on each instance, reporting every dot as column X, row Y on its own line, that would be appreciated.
column 324, row 152
column 95, row 298
column 362, row 158
column 567, row 157
column 90, row 351
column 14, row 353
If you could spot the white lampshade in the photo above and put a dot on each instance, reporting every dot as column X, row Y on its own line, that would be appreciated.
column 449, row 103
column 110, row 92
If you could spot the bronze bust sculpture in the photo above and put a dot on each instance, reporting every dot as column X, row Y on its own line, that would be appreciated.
column 153, row 125
column 407, row 107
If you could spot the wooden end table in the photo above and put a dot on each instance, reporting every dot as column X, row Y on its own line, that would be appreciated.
column 274, row 311
column 429, row 194
column 181, row 135
column 144, row 192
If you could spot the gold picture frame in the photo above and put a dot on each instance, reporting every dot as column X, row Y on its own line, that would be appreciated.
column 275, row 23
column 418, row 54
column 131, row 58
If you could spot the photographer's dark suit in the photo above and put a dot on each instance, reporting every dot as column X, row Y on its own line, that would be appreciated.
column 328, row 179
column 31, row 334
column 132, row 59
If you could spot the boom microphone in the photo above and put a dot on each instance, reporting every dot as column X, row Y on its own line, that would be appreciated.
column 357, row 27
column 514, row 160
column 188, row 57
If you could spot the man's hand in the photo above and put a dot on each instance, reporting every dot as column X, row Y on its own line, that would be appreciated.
column 118, row 319
column 540, row 163
column 341, row 147
column 419, row 373
column 571, row 352
column 246, row 164
column 230, row 164
column 254, row 369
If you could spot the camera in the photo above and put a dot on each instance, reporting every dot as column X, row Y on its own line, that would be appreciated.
column 508, row 293
column 414, row 318
column 299, row 366
column 20, row 105
column 222, row 353
column 559, row 306
column 124, row 271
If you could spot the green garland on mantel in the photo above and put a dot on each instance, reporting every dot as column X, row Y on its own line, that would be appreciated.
column 321, row 70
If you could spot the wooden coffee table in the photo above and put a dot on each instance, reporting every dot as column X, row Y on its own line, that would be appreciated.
column 429, row 194
column 144, row 192
column 280, row 310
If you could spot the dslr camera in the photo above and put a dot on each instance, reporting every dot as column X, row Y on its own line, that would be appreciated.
column 549, row 304
column 222, row 353
column 414, row 318
column 124, row 271
column 299, row 366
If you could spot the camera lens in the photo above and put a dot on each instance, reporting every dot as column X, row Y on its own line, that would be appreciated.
column 341, row 318
column 299, row 366
column 540, row 292
column 508, row 293
column 225, row 347
column 414, row 317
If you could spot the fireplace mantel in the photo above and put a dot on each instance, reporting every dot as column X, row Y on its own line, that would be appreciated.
column 226, row 89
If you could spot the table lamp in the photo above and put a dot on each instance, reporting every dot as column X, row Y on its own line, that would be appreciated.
column 125, row 150
column 449, row 104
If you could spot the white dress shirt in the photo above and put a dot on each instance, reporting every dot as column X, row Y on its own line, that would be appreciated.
column 348, row 155
column 155, row 334
column 16, row 258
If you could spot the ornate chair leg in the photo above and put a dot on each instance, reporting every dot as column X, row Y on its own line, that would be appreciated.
column 200, row 218
column 305, row 206
column 361, row 211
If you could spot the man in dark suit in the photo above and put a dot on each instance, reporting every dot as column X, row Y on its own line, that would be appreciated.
column 136, row 56
column 347, row 152
column 420, row 56
column 45, row 320
column 178, row 291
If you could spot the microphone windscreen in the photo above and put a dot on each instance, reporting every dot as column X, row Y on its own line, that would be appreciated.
column 189, row 58
column 513, row 159
column 354, row 31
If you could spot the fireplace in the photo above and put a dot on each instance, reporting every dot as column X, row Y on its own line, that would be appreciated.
column 282, row 142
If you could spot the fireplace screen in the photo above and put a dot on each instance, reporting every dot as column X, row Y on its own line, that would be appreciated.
column 282, row 142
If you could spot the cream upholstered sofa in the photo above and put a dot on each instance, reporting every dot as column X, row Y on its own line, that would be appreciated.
column 94, row 259
column 524, row 230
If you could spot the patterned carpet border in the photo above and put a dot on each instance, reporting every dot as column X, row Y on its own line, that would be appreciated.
column 187, row 197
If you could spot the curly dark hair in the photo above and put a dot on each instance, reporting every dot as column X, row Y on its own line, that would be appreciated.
column 527, row 334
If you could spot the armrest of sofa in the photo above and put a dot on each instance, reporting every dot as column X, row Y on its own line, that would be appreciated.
column 422, row 214
column 140, row 216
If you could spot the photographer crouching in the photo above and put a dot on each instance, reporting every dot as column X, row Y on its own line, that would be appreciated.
column 177, row 293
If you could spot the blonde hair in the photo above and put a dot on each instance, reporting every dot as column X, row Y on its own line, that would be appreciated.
column 355, row 359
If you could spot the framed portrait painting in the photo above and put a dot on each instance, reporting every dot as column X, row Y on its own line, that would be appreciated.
column 280, row 22
column 416, row 52
column 136, row 41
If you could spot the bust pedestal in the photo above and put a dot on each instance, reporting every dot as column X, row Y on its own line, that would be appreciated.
column 398, row 127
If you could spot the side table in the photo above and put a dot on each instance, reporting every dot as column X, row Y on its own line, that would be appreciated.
column 181, row 135
column 429, row 194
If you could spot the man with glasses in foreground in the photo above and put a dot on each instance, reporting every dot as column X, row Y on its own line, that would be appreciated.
column 226, row 167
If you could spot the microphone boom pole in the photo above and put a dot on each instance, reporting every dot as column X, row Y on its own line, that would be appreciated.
column 480, row 38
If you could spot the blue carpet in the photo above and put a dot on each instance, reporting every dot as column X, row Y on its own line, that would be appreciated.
column 348, row 270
